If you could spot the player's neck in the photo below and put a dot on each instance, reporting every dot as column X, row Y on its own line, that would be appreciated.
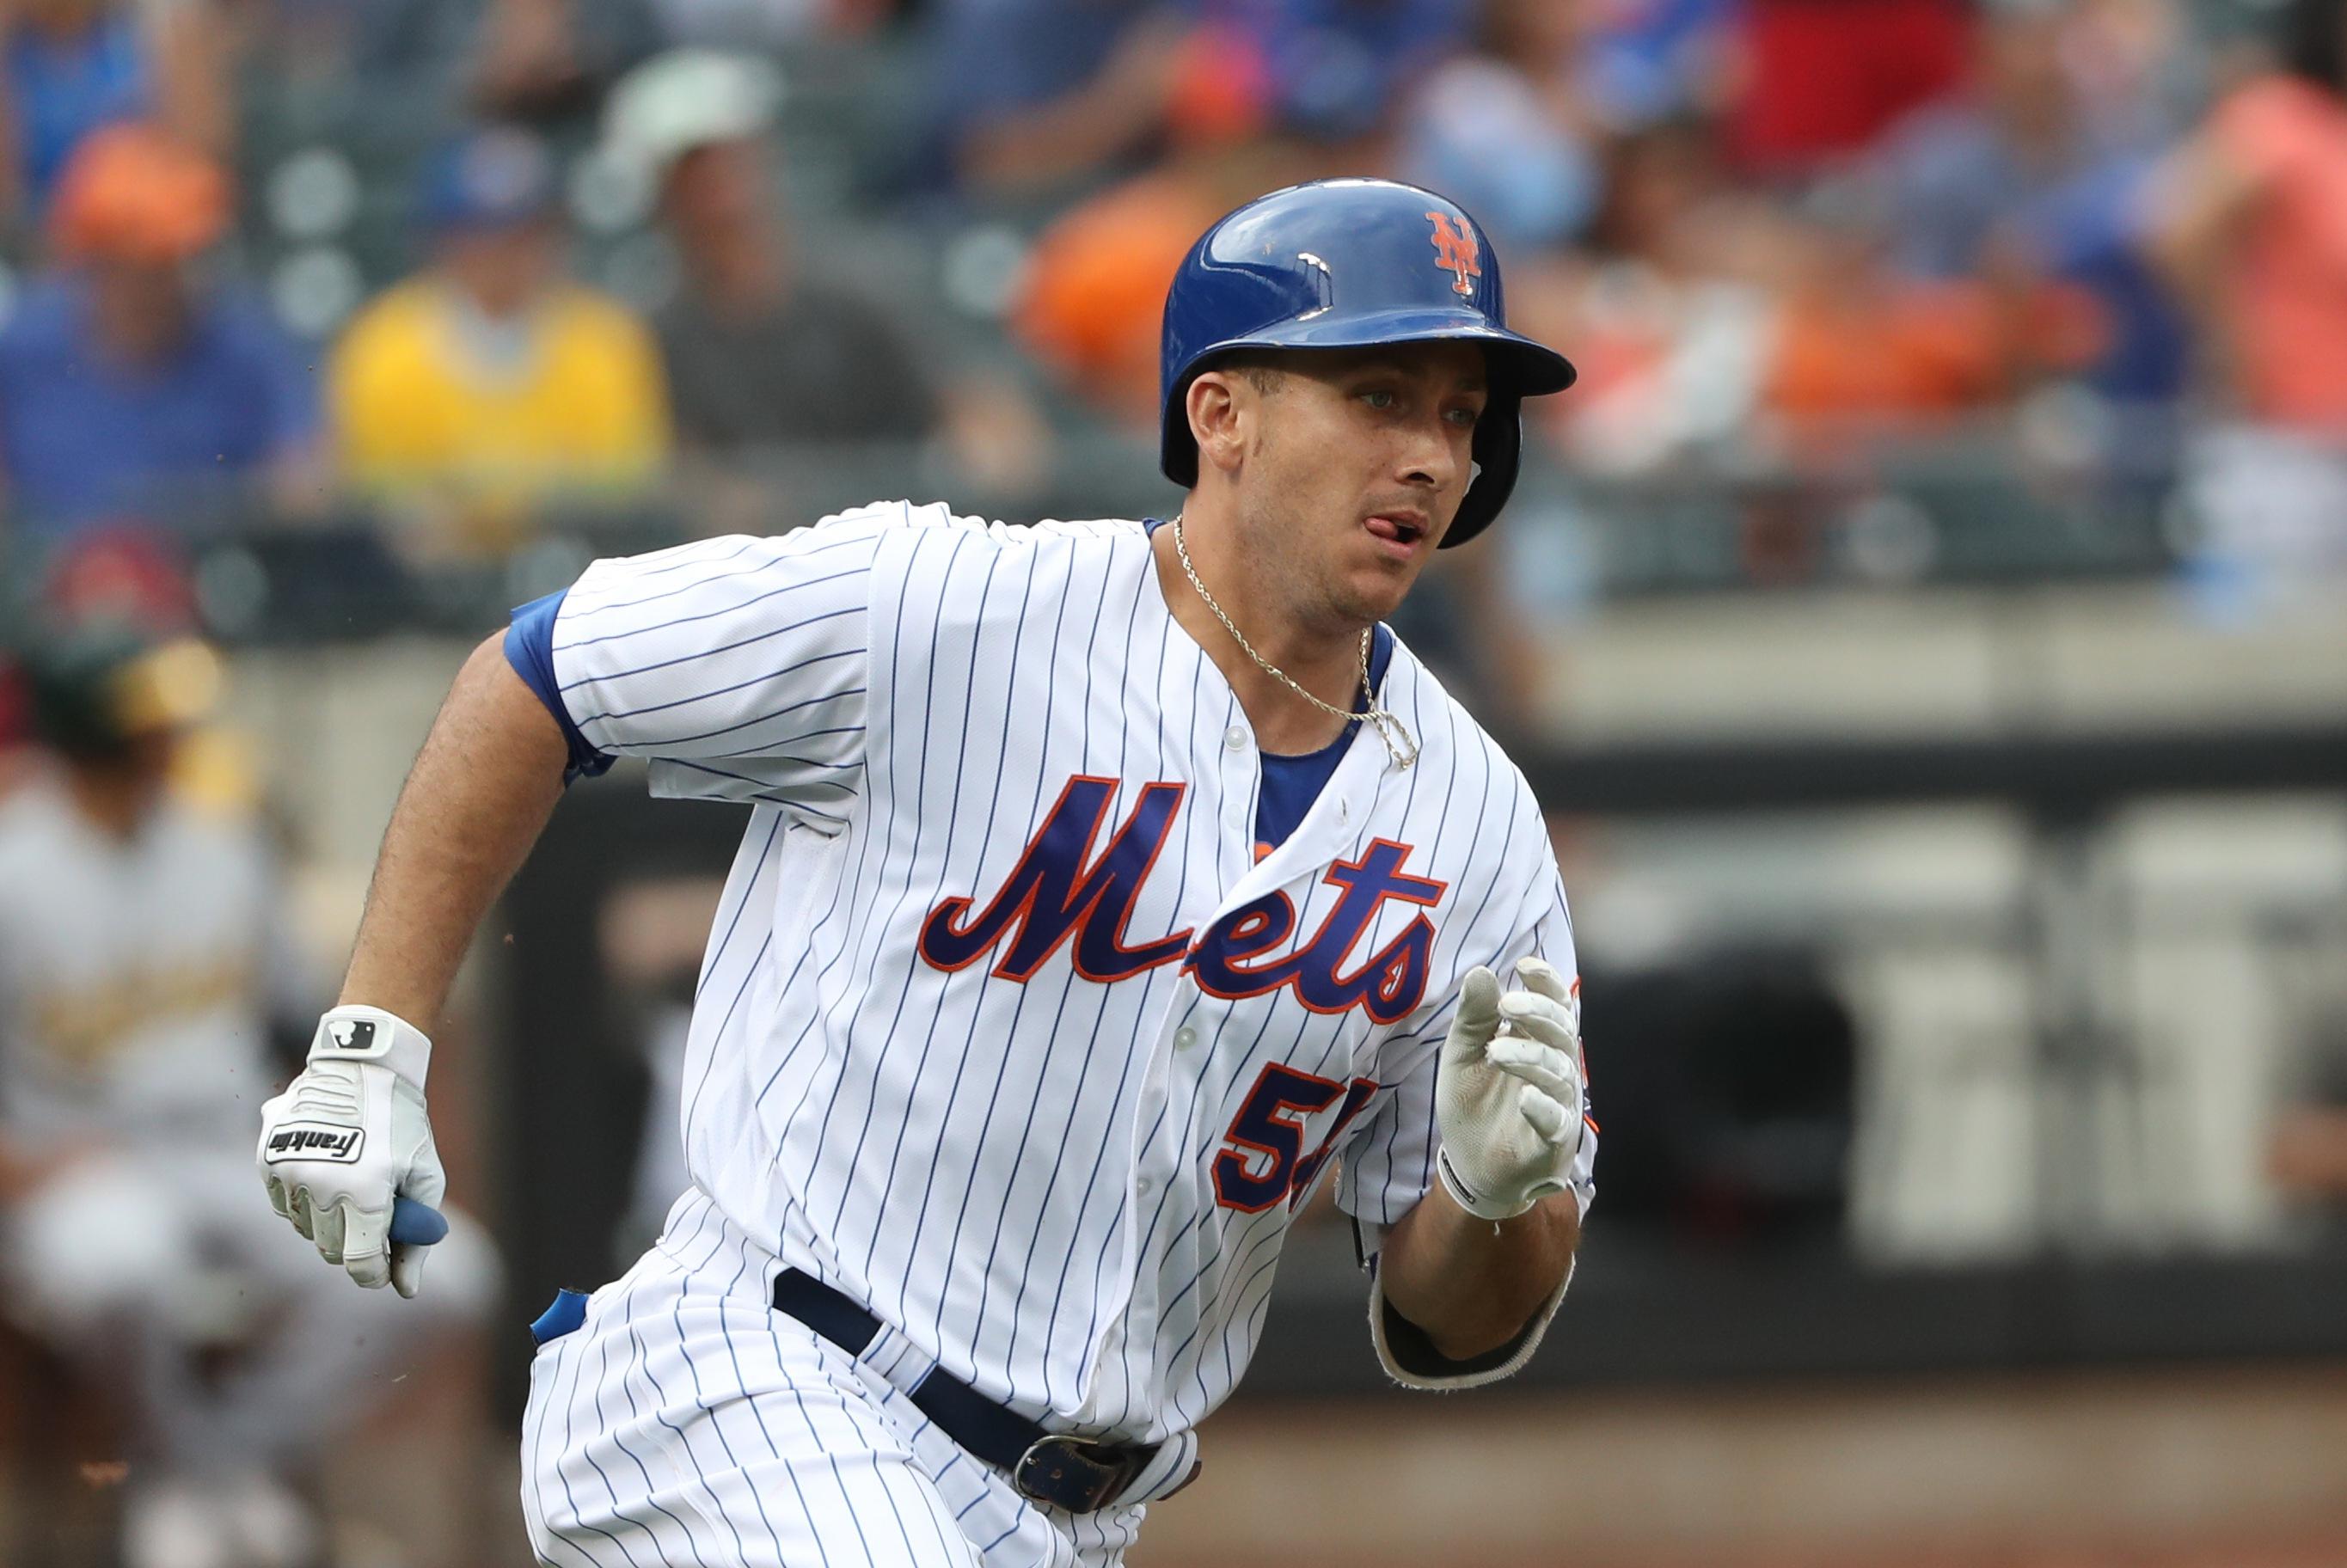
column 1324, row 661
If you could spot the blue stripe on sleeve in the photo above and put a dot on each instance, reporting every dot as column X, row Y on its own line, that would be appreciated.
column 529, row 649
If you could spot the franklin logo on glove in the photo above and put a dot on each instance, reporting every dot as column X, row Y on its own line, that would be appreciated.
column 311, row 1142
column 347, row 1149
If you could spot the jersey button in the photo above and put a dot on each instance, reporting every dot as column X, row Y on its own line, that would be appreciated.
column 1234, row 739
column 1144, row 1187
column 1184, row 1038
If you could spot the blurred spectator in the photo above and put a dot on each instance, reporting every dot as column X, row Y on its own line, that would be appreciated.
column 2027, row 174
column 1033, row 94
column 1820, row 79
column 1093, row 301
column 761, row 352
column 542, row 63
column 536, row 60
column 1329, row 69
column 1641, row 61
column 1040, row 95
column 1670, row 322
column 1505, row 129
column 144, row 967
column 127, row 388
column 490, row 385
column 75, row 66
column 756, row 353
column 1859, row 345
column 2254, row 237
column 765, row 24
column 1713, row 311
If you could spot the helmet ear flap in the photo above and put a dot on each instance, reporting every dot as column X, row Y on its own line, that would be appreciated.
column 1177, row 449
column 1498, row 452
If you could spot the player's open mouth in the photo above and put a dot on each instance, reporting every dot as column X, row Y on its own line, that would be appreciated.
column 1401, row 528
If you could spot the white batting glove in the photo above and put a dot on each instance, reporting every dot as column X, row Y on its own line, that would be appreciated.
column 347, row 1137
column 1508, row 1097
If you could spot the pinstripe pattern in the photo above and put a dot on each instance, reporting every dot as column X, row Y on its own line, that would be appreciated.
column 1016, row 1176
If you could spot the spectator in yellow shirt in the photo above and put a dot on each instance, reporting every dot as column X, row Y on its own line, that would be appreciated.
column 490, row 389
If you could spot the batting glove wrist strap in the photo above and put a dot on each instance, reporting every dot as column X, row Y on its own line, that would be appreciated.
column 370, row 1035
column 1481, row 1205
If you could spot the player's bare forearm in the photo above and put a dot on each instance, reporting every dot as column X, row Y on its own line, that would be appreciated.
column 1472, row 1284
column 476, row 799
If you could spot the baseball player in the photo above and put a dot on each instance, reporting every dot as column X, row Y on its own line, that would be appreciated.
column 143, row 956
column 1107, row 886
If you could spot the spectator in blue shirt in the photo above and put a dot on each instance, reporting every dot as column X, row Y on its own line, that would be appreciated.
column 2022, row 174
column 71, row 67
column 1334, row 67
column 1036, row 95
column 127, row 391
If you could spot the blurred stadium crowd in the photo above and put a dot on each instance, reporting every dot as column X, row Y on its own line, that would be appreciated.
column 258, row 274
column 325, row 320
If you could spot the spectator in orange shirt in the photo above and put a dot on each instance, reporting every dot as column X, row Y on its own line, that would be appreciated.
column 1094, row 297
column 1096, row 291
column 1859, row 347
column 2254, row 238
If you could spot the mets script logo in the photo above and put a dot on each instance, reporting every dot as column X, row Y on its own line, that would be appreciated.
column 1061, row 890
column 1456, row 252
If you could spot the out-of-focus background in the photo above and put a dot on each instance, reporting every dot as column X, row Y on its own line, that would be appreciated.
column 1926, row 625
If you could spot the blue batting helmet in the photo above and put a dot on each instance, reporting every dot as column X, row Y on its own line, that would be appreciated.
column 1345, row 263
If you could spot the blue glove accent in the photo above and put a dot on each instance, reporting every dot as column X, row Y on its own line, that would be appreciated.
column 415, row 1225
column 568, row 1311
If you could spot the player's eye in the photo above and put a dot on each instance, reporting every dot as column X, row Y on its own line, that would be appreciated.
column 1465, row 417
column 1379, row 398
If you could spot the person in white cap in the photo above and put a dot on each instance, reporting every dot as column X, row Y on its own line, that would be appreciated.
column 763, row 351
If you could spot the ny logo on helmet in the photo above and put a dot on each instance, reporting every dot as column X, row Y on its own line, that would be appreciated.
column 1455, row 251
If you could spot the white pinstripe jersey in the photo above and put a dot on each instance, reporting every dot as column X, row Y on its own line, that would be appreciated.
column 1003, row 1028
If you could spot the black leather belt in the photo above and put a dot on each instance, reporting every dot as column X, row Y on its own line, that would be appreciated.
column 1077, row 1474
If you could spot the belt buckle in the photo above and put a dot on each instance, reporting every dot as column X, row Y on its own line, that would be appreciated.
column 1067, row 1472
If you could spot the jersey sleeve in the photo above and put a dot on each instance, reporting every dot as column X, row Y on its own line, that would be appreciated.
column 737, row 666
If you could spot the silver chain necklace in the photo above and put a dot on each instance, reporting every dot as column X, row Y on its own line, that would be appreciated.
column 1399, row 743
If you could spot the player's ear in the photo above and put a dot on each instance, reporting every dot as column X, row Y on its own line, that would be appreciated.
column 1219, row 411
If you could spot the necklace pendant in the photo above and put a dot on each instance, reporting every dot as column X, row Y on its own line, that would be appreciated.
column 1386, row 726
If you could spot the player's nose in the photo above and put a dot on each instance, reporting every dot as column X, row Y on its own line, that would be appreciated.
column 1433, row 454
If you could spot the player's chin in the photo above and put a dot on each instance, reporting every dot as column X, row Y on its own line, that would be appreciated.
column 1377, row 586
